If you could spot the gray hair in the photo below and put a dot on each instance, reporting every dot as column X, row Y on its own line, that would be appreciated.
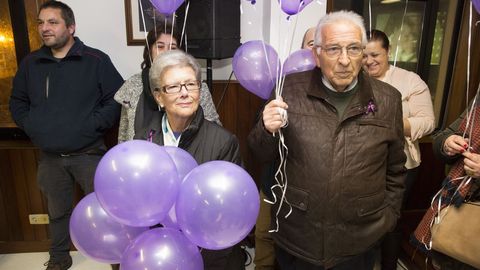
column 338, row 16
column 171, row 59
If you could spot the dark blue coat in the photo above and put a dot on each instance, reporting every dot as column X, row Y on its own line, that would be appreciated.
column 65, row 105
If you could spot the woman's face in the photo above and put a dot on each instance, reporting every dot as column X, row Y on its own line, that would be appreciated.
column 375, row 59
column 164, row 43
column 183, row 104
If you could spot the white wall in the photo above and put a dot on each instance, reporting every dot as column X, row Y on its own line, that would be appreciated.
column 286, row 33
column 101, row 24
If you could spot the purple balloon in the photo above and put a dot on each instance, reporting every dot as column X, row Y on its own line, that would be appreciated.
column 255, row 65
column 217, row 205
column 167, row 6
column 96, row 235
column 170, row 220
column 301, row 60
column 292, row 7
column 182, row 159
column 476, row 4
column 137, row 183
column 162, row 248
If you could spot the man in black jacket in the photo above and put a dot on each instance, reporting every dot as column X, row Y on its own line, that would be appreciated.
column 63, row 99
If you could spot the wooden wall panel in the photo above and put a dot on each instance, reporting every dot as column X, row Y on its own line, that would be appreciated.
column 5, row 173
column 20, row 197
column 20, row 166
column 238, row 111
column 10, row 199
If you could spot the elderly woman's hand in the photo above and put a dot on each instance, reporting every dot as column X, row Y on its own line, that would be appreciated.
column 471, row 164
column 455, row 145
column 273, row 115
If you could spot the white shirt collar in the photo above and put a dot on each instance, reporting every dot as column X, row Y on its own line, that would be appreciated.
column 168, row 136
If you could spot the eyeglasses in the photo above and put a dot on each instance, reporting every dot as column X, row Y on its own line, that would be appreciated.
column 336, row 51
column 190, row 86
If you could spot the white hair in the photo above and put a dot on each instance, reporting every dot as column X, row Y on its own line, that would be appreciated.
column 339, row 16
column 170, row 59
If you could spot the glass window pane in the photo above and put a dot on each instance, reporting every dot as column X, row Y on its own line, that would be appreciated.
column 31, row 11
column 404, row 30
column 442, row 43
column 8, row 62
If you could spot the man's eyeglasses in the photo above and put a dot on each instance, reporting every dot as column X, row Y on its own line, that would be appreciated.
column 190, row 86
column 336, row 51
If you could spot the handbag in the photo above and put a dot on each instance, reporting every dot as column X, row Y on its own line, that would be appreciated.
column 457, row 234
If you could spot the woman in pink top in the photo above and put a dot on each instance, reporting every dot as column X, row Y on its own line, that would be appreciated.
column 418, row 120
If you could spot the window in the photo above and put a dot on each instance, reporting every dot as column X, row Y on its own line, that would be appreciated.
column 421, row 34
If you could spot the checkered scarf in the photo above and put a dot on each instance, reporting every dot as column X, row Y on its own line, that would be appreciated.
column 450, row 193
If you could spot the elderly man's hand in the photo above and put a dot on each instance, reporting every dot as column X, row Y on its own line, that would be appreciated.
column 455, row 145
column 273, row 115
column 471, row 164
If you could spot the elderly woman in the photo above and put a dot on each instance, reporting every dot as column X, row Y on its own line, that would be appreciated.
column 175, row 83
column 135, row 96
column 418, row 120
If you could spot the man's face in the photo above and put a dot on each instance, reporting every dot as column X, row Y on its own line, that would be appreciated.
column 340, row 54
column 53, row 29
column 309, row 39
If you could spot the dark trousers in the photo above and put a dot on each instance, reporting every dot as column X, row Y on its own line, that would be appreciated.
column 391, row 245
column 364, row 261
column 232, row 258
column 56, row 178
column 264, row 246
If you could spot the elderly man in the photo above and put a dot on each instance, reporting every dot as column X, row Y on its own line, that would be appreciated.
column 345, row 163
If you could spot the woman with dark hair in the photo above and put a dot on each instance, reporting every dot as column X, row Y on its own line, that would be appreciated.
column 418, row 121
column 135, row 96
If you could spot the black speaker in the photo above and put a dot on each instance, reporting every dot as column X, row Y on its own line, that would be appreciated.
column 212, row 29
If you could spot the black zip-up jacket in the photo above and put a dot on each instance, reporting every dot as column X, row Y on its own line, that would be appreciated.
column 204, row 140
column 65, row 105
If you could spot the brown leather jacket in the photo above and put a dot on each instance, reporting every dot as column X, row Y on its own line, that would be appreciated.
column 345, row 176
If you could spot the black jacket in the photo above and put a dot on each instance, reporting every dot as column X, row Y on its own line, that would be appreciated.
column 204, row 140
column 65, row 105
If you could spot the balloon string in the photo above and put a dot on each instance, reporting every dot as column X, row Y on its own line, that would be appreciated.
column 172, row 30
column 471, row 115
column 183, row 28
column 145, row 28
column 468, row 62
column 279, row 91
column 155, row 30
column 267, row 61
column 280, row 175
column 370, row 16
column 400, row 34
column 282, row 182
